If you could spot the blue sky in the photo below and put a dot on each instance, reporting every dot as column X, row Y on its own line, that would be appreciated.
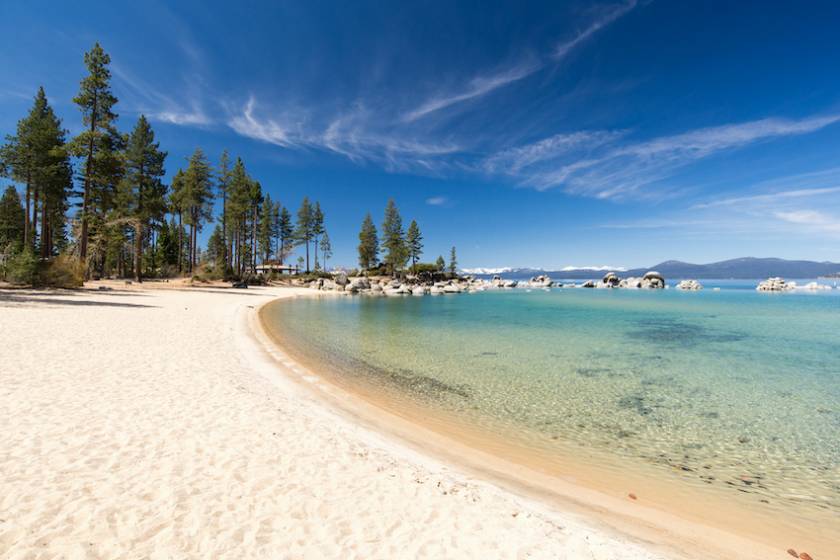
column 526, row 134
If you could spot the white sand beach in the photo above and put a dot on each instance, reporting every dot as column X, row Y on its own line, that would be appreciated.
column 152, row 423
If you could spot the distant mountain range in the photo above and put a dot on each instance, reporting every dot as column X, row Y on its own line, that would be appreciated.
column 743, row 268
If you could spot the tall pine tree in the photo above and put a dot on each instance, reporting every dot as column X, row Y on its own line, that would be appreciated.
column 304, row 228
column 96, row 145
column 142, row 194
column 414, row 243
column 393, row 239
column 368, row 244
column 198, row 179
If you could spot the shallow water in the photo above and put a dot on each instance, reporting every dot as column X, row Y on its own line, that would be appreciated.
column 733, row 390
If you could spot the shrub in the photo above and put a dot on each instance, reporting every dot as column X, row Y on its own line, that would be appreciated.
column 63, row 271
column 23, row 268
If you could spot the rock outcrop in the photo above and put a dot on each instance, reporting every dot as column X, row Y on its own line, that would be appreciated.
column 689, row 285
column 775, row 284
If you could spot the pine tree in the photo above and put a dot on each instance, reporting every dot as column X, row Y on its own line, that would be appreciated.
column 216, row 248
column 285, row 233
column 326, row 248
column 37, row 158
column 97, row 145
column 12, row 222
column 317, row 228
column 239, row 195
column 440, row 263
column 453, row 262
column 198, row 180
column 179, row 203
column 414, row 243
column 393, row 239
column 267, row 228
column 368, row 244
column 304, row 228
column 256, row 200
column 224, row 180
column 141, row 196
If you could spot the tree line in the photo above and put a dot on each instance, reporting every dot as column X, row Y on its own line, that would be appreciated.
column 127, row 221
column 398, row 246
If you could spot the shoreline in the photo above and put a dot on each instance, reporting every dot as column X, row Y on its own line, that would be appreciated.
column 171, row 425
column 676, row 530
column 163, row 428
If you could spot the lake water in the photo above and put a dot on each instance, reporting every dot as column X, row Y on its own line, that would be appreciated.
column 733, row 390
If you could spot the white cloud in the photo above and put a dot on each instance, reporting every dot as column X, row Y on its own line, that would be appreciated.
column 437, row 201
column 159, row 106
column 769, row 197
column 513, row 160
column 477, row 87
column 626, row 170
column 811, row 219
column 563, row 49
column 350, row 134
column 484, row 84
column 266, row 130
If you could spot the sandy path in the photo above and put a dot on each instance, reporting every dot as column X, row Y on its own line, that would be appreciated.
column 142, row 424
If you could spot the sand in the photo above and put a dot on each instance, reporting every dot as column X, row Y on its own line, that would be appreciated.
column 153, row 423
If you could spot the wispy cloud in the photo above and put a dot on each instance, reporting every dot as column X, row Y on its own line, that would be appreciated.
column 811, row 219
column 769, row 197
column 563, row 49
column 267, row 130
column 437, row 201
column 477, row 87
column 350, row 134
column 514, row 160
column 627, row 170
column 484, row 84
column 158, row 105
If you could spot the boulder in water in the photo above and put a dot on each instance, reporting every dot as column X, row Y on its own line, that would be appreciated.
column 689, row 285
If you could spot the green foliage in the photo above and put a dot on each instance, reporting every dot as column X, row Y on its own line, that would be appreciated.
column 285, row 232
column 427, row 267
column 440, row 263
column 414, row 244
column 11, row 221
column 393, row 239
column 305, row 227
column 368, row 244
column 326, row 248
column 98, row 144
column 216, row 249
column 453, row 262
column 37, row 158
column 268, row 227
column 22, row 268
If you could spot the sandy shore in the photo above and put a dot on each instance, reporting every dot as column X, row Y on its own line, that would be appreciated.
column 153, row 423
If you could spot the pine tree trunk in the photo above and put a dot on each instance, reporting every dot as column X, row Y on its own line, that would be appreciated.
column 83, row 242
column 26, row 221
column 138, row 250
column 224, row 233
column 180, row 244
column 254, row 241
column 44, row 231
column 35, row 216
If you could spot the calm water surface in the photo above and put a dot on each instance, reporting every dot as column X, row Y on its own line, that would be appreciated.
column 732, row 389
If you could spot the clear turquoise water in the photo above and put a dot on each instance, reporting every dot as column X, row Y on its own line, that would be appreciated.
column 732, row 389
